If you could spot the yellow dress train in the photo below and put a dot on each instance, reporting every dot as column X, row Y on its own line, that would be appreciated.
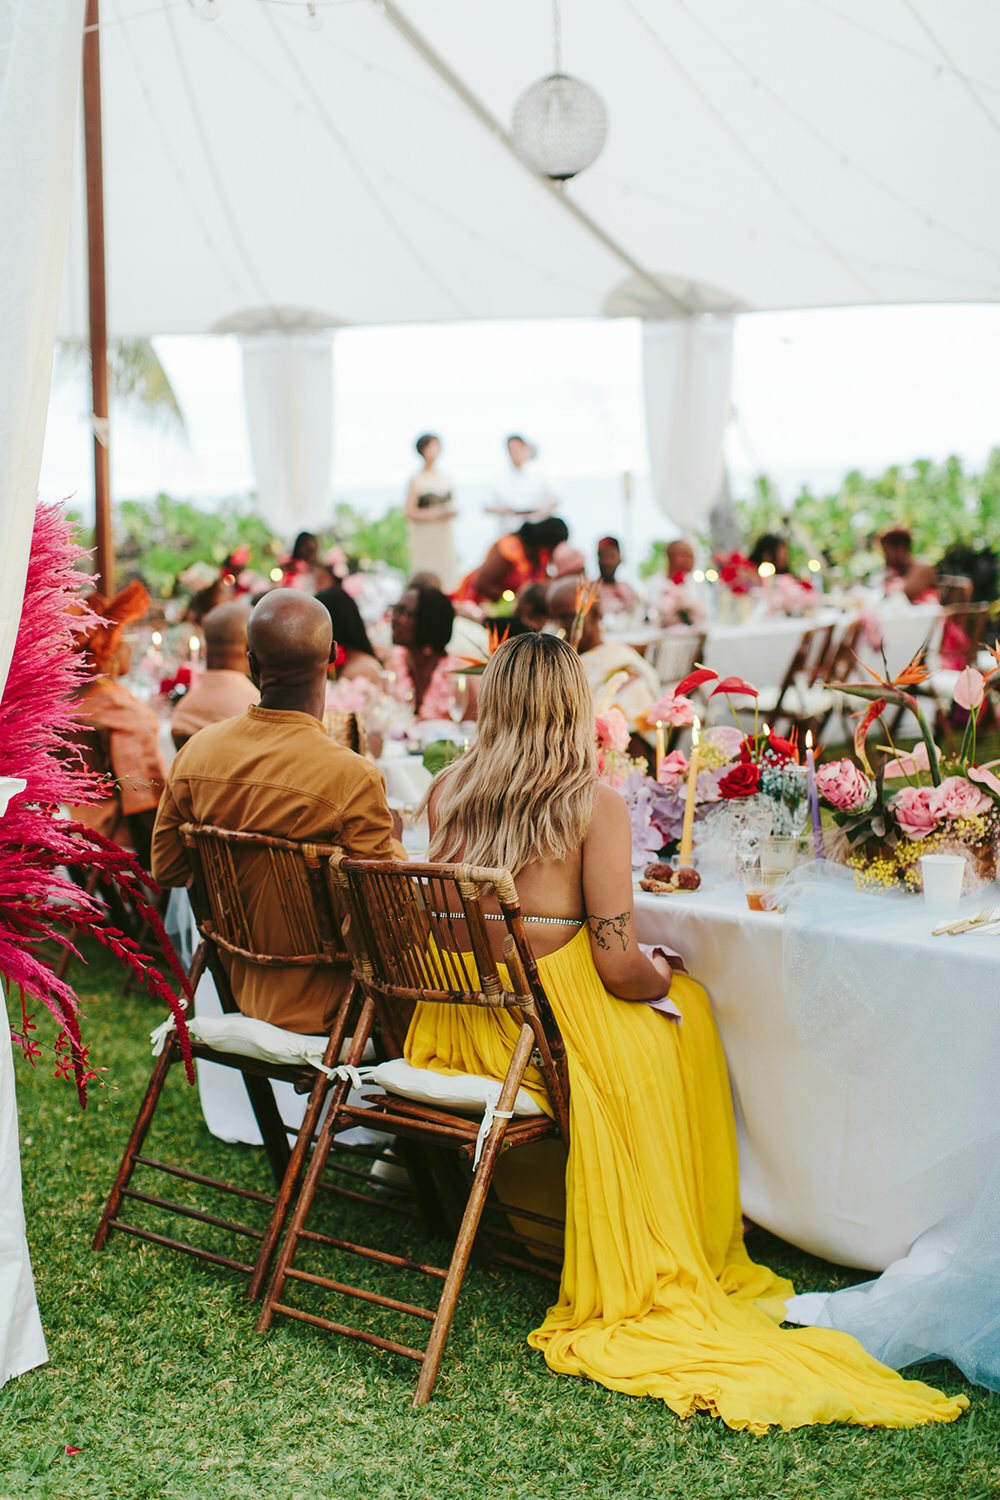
column 658, row 1295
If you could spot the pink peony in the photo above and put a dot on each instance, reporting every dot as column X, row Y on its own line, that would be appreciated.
column 844, row 786
column 612, row 730
column 673, row 769
column 958, row 798
column 673, row 708
column 914, row 810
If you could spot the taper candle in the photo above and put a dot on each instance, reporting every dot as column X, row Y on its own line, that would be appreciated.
column 817, row 824
column 687, row 830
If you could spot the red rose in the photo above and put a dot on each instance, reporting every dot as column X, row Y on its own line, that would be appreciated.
column 742, row 781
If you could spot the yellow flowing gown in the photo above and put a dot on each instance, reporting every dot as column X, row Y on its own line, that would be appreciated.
column 658, row 1295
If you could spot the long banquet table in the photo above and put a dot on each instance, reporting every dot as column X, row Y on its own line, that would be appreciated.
column 864, row 1056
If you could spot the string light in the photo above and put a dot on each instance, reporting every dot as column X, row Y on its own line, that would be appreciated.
column 275, row 575
column 698, row 576
column 711, row 576
column 814, row 565
column 766, row 570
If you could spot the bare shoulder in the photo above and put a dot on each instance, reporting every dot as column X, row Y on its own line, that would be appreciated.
column 610, row 810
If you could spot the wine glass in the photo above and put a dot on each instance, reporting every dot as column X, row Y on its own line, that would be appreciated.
column 458, row 700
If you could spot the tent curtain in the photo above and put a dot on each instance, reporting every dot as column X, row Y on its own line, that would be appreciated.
column 40, row 52
column 288, row 396
column 687, row 367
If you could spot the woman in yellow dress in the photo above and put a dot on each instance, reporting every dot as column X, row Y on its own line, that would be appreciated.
column 658, row 1296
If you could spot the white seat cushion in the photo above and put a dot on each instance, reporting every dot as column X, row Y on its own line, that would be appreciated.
column 244, row 1036
column 466, row 1093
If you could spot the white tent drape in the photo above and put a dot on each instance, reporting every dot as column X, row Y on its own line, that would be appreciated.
column 288, row 394
column 686, row 367
column 39, row 78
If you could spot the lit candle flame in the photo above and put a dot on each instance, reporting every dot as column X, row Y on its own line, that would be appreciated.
column 157, row 639
column 809, row 739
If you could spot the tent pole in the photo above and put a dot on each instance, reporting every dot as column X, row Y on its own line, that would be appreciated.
column 104, row 559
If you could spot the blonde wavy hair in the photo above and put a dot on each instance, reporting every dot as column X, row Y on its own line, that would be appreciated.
column 525, row 792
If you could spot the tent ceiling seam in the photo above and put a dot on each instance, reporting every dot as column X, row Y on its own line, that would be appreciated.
column 362, row 174
column 751, row 156
column 802, row 121
column 164, row 139
column 444, row 214
column 966, row 83
column 213, row 168
column 492, row 125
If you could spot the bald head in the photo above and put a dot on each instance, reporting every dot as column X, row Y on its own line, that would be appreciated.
column 225, row 630
column 289, row 639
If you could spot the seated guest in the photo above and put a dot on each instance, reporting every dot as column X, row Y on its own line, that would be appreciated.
column 903, row 574
column 773, row 549
column 568, row 562
column 614, row 593
column 421, row 671
column 679, row 558
column 520, row 558
column 676, row 602
column 299, row 570
column 603, row 659
column 119, row 736
column 355, row 652
column 531, row 612
column 224, row 689
column 273, row 771
column 658, row 1295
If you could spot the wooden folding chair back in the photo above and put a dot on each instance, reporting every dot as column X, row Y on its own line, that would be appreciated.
column 296, row 883
column 677, row 653
column 419, row 934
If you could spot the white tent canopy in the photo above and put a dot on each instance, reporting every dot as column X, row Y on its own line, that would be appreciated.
column 786, row 153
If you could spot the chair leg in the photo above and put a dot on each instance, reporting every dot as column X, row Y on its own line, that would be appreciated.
column 481, row 1183
column 464, row 1242
column 303, row 1142
column 139, row 1131
column 314, row 1172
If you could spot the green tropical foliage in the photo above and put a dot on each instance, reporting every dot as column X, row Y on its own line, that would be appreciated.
column 157, row 539
column 135, row 377
column 942, row 505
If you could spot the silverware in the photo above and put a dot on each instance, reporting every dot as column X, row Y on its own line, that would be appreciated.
column 985, row 918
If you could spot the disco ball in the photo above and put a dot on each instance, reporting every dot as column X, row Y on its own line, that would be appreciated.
column 560, row 126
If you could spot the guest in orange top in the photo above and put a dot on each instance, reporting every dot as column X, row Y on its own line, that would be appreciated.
column 515, row 560
column 119, row 736
column 224, row 689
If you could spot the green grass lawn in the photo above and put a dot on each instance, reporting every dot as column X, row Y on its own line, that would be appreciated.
column 159, row 1379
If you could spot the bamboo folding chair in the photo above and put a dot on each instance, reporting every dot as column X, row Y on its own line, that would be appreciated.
column 298, row 883
column 411, row 929
column 800, row 700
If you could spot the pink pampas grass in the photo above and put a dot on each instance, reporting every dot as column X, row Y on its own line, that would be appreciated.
column 39, row 902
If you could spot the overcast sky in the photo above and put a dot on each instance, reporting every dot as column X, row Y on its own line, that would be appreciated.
column 814, row 394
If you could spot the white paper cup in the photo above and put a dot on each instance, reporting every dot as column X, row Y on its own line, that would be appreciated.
column 942, row 876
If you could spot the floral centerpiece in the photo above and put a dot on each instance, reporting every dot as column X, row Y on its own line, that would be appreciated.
column 921, row 802
column 754, row 781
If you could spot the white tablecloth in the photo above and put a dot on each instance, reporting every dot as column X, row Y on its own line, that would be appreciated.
column 22, row 1343
column 864, row 1058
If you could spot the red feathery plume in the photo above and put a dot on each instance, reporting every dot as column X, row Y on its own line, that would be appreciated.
column 39, row 902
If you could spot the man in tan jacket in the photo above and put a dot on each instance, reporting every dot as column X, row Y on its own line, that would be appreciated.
column 273, row 770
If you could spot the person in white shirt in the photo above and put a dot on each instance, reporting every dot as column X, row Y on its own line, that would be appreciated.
column 523, row 492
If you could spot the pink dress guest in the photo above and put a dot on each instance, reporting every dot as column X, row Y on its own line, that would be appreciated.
column 440, row 691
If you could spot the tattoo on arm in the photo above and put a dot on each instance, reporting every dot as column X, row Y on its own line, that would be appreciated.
column 605, row 929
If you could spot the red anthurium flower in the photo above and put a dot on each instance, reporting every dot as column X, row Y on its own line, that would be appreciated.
column 694, row 680
column 734, row 687
column 780, row 749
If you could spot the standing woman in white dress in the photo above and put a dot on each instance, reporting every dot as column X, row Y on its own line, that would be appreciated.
column 431, row 514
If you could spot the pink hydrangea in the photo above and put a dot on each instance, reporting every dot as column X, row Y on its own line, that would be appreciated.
column 844, row 786
column 725, row 737
column 958, row 798
column 914, row 810
column 673, row 769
